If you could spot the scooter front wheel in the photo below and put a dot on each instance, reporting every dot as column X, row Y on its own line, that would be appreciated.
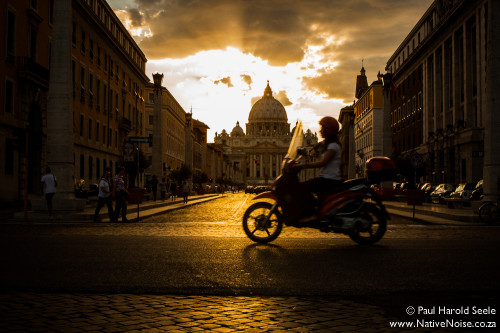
column 377, row 222
column 261, row 223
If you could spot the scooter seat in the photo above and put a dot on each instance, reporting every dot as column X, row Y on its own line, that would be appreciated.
column 346, row 185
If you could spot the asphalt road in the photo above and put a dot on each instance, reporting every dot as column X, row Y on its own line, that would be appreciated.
column 203, row 250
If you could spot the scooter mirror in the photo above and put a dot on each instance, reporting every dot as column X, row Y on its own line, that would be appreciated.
column 302, row 151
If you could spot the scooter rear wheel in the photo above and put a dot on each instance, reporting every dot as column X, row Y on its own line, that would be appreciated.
column 377, row 228
column 260, row 225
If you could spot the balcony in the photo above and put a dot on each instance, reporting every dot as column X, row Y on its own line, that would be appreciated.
column 125, row 124
column 32, row 71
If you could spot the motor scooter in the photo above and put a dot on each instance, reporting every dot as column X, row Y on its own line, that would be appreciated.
column 353, row 208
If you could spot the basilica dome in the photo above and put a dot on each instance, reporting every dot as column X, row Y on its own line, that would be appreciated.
column 267, row 109
column 237, row 130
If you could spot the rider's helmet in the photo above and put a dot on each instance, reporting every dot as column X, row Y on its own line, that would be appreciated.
column 330, row 126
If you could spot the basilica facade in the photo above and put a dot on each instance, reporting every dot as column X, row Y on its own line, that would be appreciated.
column 255, row 157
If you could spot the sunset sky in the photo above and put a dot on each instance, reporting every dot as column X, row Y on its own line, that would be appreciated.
column 217, row 55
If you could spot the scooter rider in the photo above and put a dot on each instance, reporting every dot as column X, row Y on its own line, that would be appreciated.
column 329, row 174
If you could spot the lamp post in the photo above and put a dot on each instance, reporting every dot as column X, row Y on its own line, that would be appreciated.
column 189, row 146
column 157, row 158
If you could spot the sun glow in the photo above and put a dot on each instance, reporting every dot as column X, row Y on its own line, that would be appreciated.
column 221, row 84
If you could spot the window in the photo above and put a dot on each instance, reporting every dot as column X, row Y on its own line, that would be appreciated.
column 9, row 158
column 11, row 34
column 91, row 88
column 82, row 121
column 97, row 131
column 151, row 119
column 90, row 167
column 105, row 98
column 83, row 48
column 103, row 134
column 51, row 12
column 82, row 166
column 91, row 50
column 98, row 167
column 9, row 96
column 33, row 43
column 98, row 94
column 90, row 128
column 82, row 83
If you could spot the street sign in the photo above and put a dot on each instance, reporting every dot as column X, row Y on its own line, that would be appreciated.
column 417, row 161
column 139, row 139
column 128, row 152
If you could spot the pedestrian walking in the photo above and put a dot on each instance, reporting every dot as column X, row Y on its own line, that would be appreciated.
column 154, row 186
column 173, row 189
column 120, row 193
column 185, row 191
column 48, row 185
column 105, row 196
column 163, row 189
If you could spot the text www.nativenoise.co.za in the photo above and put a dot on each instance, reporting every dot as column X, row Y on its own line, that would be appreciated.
column 442, row 324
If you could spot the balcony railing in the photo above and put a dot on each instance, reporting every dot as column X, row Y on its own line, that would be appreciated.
column 31, row 70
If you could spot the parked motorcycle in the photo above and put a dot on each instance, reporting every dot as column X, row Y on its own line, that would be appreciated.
column 353, row 208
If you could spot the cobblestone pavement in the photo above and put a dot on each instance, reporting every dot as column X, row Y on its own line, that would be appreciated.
column 31, row 312
column 159, row 313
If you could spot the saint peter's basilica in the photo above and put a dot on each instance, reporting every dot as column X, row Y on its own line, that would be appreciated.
column 255, row 158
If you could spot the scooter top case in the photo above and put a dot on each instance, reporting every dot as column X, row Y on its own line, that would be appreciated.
column 380, row 169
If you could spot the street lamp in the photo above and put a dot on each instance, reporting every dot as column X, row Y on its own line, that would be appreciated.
column 138, row 97
column 157, row 78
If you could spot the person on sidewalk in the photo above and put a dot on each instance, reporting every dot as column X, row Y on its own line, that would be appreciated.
column 185, row 191
column 48, row 185
column 173, row 189
column 163, row 189
column 154, row 186
column 104, row 196
column 120, row 193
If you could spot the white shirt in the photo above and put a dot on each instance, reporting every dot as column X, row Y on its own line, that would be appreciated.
column 332, row 169
column 50, row 183
column 103, row 183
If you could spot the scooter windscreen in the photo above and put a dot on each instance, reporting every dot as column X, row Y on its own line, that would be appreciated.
column 297, row 140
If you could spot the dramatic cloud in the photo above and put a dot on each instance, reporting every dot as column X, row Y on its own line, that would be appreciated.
column 311, row 51
column 226, row 81
column 247, row 79
column 280, row 32
column 283, row 98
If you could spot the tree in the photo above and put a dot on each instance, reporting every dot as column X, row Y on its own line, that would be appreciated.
column 200, row 178
column 181, row 174
column 131, row 167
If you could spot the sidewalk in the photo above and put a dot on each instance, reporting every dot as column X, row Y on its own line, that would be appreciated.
column 429, row 213
column 146, row 209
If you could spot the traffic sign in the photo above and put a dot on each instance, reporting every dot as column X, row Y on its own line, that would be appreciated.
column 139, row 139
column 128, row 152
column 416, row 160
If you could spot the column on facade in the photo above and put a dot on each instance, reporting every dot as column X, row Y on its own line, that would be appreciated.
column 271, row 166
column 261, row 165
column 60, row 136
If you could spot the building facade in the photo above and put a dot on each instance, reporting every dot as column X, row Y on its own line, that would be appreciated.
column 108, row 81
column 173, row 129
column 368, row 115
column 439, row 102
column 255, row 157
column 26, row 32
column 76, row 121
